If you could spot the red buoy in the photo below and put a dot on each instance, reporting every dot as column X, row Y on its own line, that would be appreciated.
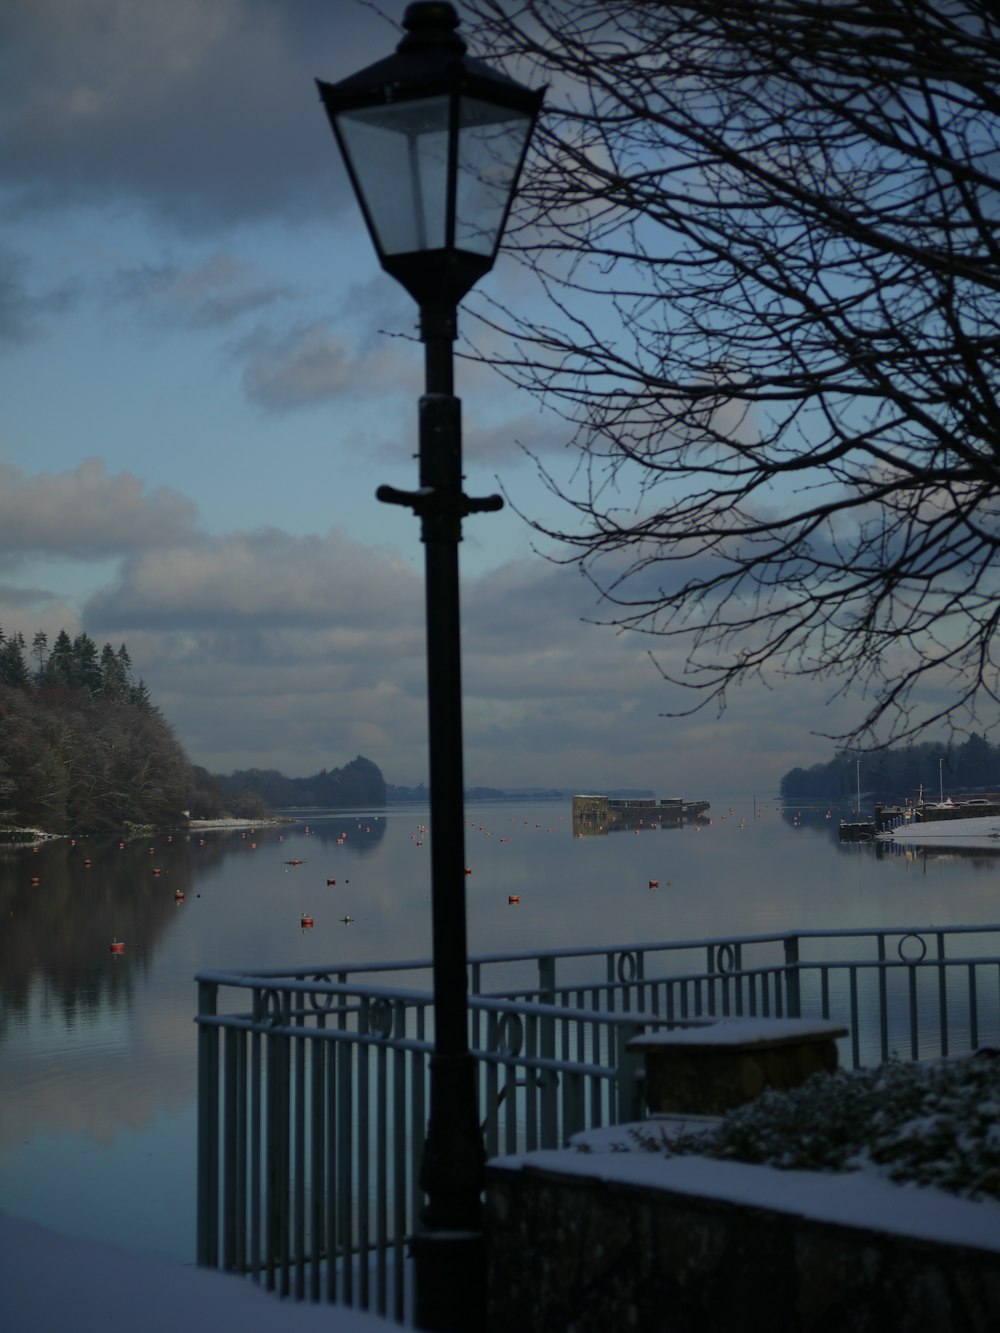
column 307, row 923
column 514, row 898
column 178, row 895
column 156, row 871
column 35, row 881
column 117, row 945
column 654, row 883
column 331, row 881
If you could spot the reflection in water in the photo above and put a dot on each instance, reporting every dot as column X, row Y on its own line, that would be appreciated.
column 61, row 906
column 97, row 1053
column 63, row 902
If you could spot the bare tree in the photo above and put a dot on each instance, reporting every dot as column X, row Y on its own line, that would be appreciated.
column 767, row 233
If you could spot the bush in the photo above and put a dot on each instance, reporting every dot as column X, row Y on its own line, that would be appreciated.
column 929, row 1124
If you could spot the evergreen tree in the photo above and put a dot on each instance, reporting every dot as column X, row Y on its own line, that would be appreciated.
column 125, row 663
column 59, row 667
column 85, row 671
column 13, row 668
column 139, row 695
column 114, row 682
column 39, row 650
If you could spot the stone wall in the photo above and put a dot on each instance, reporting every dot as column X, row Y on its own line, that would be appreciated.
column 570, row 1252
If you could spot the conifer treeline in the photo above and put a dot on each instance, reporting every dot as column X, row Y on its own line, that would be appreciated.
column 899, row 774
column 73, row 662
column 83, row 749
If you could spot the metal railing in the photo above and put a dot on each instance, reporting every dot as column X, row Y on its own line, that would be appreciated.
column 313, row 1084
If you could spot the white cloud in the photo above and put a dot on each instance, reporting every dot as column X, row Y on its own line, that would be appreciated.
column 87, row 513
column 267, row 579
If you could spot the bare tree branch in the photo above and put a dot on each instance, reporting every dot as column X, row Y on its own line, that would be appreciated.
column 768, row 239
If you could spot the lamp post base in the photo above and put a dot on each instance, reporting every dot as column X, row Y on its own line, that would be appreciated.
column 450, row 1281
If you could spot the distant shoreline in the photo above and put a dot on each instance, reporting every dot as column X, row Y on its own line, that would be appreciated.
column 15, row 833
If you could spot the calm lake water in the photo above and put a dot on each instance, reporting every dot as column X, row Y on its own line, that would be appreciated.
column 97, row 1052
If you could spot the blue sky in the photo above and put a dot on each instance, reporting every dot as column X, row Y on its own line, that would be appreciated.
column 203, row 378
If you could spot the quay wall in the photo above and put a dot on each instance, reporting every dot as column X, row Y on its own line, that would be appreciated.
column 567, row 1250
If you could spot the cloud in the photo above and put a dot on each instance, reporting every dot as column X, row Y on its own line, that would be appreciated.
column 213, row 292
column 312, row 364
column 272, row 651
column 202, row 113
column 267, row 649
column 22, row 310
column 266, row 579
column 87, row 513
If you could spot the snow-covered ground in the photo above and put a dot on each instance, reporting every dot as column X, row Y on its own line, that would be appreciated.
column 982, row 830
column 51, row 1283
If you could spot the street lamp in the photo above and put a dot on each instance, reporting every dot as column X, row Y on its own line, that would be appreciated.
column 433, row 142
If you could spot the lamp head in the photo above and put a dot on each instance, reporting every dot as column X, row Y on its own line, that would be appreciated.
column 433, row 142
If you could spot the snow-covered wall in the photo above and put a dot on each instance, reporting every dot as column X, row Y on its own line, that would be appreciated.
column 633, row 1240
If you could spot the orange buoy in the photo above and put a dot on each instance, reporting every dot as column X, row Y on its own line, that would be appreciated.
column 121, row 846
column 654, row 883
column 513, row 897
column 468, row 870
column 307, row 923
column 117, row 945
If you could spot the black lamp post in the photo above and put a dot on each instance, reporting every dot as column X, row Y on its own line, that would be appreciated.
column 433, row 142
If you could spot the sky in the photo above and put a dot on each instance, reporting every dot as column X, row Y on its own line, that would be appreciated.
column 204, row 376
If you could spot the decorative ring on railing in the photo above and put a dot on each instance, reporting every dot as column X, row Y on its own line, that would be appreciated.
column 725, row 958
column 322, row 1000
column 267, row 1007
column 915, row 957
column 380, row 1018
column 627, row 967
column 510, row 1034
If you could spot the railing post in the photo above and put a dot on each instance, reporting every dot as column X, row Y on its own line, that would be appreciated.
column 547, row 1050
column 793, row 998
column 208, row 1127
column 547, row 979
column 630, row 1067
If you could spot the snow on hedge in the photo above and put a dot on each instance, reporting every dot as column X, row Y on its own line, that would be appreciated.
column 935, row 1124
